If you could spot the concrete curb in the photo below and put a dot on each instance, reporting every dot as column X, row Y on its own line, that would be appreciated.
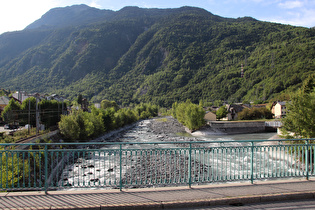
column 232, row 201
column 236, row 194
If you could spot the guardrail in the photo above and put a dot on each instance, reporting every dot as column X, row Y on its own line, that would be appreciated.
column 126, row 165
column 275, row 124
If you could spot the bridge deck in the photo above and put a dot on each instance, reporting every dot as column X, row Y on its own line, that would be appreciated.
column 207, row 195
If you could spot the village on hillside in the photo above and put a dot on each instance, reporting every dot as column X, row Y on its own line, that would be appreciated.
column 277, row 108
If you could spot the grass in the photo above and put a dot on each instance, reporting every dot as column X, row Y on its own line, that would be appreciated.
column 162, row 119
column 18, row 135
column 184, row 134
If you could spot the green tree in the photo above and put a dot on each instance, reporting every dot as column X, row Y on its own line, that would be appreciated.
column 255, row 113
column 11, row 111
column 81, row 125
column 146, row 110
column 50, row 112
column 28, row 107
column 194, row 117
column 80, row 99
column 189, row 114
column 309, row 84
column 95, row 120
column 108, row 117
column 69, row 127
column 78, row 125
column 218, row 103
column 300, row 117
column 108, row 104
column 222, row 112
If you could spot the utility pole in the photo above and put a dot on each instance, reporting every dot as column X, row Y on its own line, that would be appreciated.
column 29, row 115
column 62, row 108
column 37, row 117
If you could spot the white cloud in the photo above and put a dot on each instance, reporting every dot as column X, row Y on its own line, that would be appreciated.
column 291, row 4
column 95, row 3
column 250, row 1
column 303, row 17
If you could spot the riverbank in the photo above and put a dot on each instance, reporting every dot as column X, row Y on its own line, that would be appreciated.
column 156, row 129
column 166, row 129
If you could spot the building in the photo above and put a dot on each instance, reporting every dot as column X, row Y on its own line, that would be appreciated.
column 4, row 101
column 279, row 110
column 233, row 110
column 20, row 96
column 210, row 116
column 55, row 97
column 260, row 105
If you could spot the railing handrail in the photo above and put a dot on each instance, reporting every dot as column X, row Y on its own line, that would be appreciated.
column 51, row 168
column 148, row 143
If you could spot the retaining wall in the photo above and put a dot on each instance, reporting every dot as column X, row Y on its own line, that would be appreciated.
column 238, row 127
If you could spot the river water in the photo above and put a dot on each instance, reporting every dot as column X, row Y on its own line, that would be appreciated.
column 142, row 132
column 236, row 137
column 108, row 169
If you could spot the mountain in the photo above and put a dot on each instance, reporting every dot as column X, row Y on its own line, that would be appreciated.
column 70, row 16
column 155, row 55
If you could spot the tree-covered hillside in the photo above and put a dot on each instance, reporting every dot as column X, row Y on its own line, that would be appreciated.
column 160, row 56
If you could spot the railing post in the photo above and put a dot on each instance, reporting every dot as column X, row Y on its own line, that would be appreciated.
column 46, row 169
column 252, row 163
column 7, row 171
column 120, row 167
column 306, row 159
column 189, row 166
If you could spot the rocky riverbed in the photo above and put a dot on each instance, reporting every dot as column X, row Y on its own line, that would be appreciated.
column 168, row 129
column 150, row 130
column 153, row 164
column 142, row 165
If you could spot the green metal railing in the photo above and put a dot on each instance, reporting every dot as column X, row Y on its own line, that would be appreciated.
column 125, row 165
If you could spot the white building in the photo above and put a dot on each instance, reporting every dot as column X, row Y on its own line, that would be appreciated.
column 20, row 96
column 280, row 110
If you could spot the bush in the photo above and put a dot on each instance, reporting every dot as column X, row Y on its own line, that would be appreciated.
column 221, row 113
column 10, row 165
column 81, row 125
column 255, row 114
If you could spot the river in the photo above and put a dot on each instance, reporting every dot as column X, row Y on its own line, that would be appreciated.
column 161, row 130
column 168, row 129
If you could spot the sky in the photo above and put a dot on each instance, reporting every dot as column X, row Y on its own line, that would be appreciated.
column 17, row 14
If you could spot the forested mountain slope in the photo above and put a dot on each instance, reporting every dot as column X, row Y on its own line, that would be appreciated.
column 156, row 55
